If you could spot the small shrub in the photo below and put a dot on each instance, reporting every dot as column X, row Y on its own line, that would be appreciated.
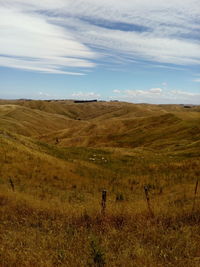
column 97, row 255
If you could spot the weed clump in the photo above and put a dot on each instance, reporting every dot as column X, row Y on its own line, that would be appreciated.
column 97, row 255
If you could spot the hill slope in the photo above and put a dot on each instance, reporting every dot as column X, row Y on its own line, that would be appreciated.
column 56, row 158
column 103, row 124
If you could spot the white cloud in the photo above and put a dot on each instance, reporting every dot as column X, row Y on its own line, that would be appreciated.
column 159, row 96
column 85, row 95
column 156, row 90
column 29, row 41
column 196, row 80
column 39, row 65
column 116, row 91
column 164, row 42
column 184, row 93
column 64, row 36
column 42, row 94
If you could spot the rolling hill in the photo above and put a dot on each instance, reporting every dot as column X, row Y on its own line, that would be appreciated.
column 56, row 157
column 109, row 124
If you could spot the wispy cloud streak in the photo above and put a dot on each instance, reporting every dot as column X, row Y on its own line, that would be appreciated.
column 67, row 36
column 29, row 41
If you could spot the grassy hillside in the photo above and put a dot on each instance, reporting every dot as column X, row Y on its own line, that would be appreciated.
column 31, row 122
column 53, row 168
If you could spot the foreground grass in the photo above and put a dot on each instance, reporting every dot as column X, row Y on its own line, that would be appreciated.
column 53, row 217
column 35, row 233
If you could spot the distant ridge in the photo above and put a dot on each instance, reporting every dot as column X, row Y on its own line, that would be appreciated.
column 85, row 101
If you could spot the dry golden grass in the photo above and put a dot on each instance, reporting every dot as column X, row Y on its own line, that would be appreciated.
column 53, row 217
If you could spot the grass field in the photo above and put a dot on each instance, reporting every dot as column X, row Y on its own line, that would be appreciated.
column 56, row 157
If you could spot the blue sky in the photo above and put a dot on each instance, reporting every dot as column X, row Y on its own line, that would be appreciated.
column 133, row 50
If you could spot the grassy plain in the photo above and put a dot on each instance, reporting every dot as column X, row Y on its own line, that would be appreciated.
column 60, row 156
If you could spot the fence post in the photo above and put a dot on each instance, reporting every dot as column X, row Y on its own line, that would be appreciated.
column 195, row 193
column 146, row 190
column 12, row 184
column 103, row 201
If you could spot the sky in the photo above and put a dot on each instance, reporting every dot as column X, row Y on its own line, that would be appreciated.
column 137, row 51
